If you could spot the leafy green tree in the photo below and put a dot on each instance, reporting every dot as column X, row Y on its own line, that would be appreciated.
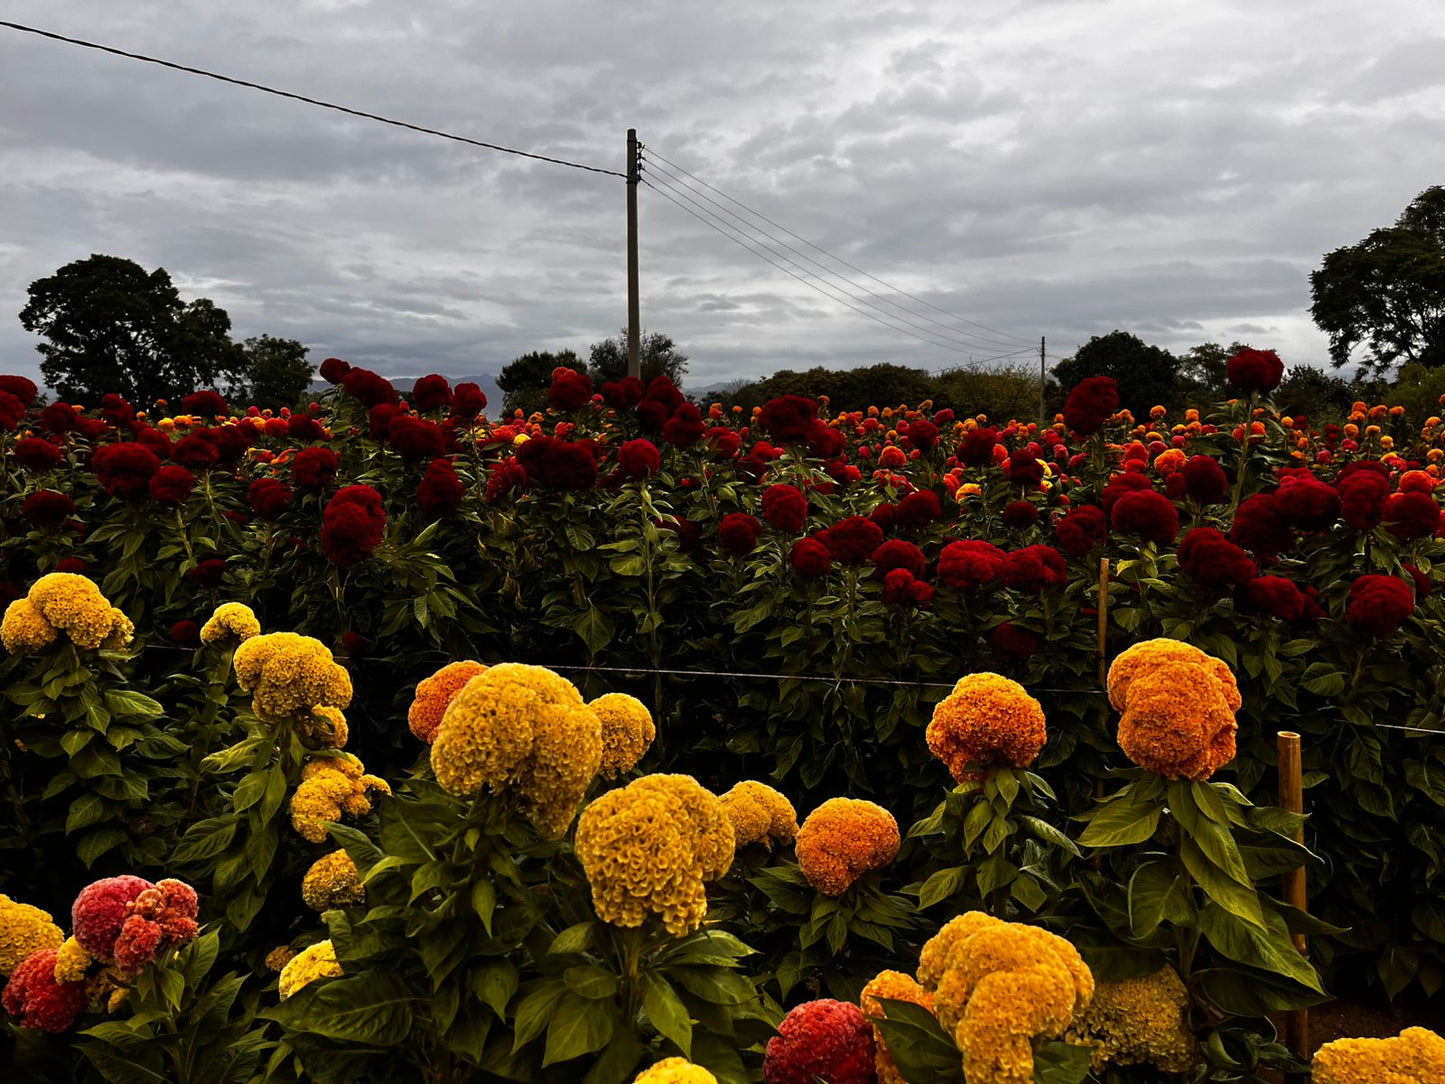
column 658, row 355
column 1202, row 370
column 1320, row 396
column 1148, row 375
column 276, row 372
column 1388, row 291
column 112, row 326
column 524, row 381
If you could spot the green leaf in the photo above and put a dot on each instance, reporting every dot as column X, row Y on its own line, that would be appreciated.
column 595, row 628
column 1154, row 894
column 251, row 789
column 495, row 984
column 1268, row 948
column 579, row 1026
column 484, row 901
column 921, row 1049
column 578, row 938
column 1224, row 890
column 1060, row 1063
column 1121, row 822
column 535, row 1010
column 591, row 981
column 205, row 839
column 374, row 1009
column 941, row 886
column 97, row 843
column 667, row 1012
column 85, row 811
column 130, row 702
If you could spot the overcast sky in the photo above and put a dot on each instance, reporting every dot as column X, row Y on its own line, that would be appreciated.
column 1039, row 168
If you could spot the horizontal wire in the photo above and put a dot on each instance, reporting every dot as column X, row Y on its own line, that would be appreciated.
column 308, row 101
column 948, row 331
column 1008, row 336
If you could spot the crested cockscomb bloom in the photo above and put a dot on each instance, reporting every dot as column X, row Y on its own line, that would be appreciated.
column 1254, row 370
column 1013, row 643
column 288, row 675
column 37, row 454
column 1415, row 1056
column 230, row 622
column 1260, row 526
column 821, row 1040
column 976, row 449
column 332, row 881
column 431, row 392
column 1177, row 721
column 47, row 508
column 970, row 564
column 1205, row 480
column 843, row 839
column 172, row 485
column 1409, row 515
column 685, row 428
column 440, row 491
column 917, row 509
column 788, row 419
column 1081, row 529
column 100, row 911
column 33, row 995
column 986, row 721
column 1091, row 403
column 759, row 814
column 1306, row 503
column 1034, row 568
column 125, row 469
column 852, row 541
column 810, row 558
column 1148, row 514
column 1363, row 494
column 434, row 694
column 638, row 458
column 332, row 788
column 160, row 919
column 559, row 464
column 1379, row 604
column 1151, row 654
column 737, row 534
column 504, row 478
column 1272, row 595
column 1138, row 1021
column 1213, row 561
column 24, row 931
column 785, row 508
column 352, row 525
column 416, row 439
column 1018, row 515
column 902, row 589
column 570, row 390
column 897, row 553
column 69, row 603
column 368, row 388
column 270, row 497
column 1023, row 468
column 314, row 962
column 675, row 1071
column 314, row 468
column 627, row 731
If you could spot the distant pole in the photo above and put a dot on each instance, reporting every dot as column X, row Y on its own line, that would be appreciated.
column 634, row 318
column 1043, row 379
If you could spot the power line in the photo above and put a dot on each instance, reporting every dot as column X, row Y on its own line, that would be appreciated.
column 308, row 101
column 738, row 238
column 948, row 331
column 973, row 323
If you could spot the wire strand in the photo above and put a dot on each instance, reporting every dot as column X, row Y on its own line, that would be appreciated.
column 948, row 331
column 308, row 101
column 1008, row 336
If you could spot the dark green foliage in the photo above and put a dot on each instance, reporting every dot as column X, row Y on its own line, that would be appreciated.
column 657, row 356
column 525, row 380
column 1148, row 376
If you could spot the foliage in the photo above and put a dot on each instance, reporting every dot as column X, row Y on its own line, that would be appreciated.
column 1147, row 375
column 657, row 354
column 274, row 374
column 524, row 380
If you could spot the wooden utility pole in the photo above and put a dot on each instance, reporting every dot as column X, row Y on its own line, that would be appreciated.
column 1043, row 380
column 634, row 307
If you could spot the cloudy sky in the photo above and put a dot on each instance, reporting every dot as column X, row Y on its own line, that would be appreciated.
column 1034, row 168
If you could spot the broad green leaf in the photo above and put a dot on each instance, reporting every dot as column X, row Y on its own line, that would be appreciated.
column 1268, row 948
column 667, row 1012
column 579, row 1026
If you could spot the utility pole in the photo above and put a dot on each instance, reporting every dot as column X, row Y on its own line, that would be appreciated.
column 634, row 319
column 1043, row 380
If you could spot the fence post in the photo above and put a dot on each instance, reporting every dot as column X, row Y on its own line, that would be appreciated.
column 1291, row 798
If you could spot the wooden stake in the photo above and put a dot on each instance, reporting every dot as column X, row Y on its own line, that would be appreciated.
column 1103, row 622
column 1292, row 799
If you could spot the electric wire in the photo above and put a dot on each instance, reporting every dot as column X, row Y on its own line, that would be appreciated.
column 947, row 331
column 733, row 235
column 1007, row 336
column 308, row 101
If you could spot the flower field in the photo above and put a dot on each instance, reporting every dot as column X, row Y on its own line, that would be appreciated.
column 647, row 740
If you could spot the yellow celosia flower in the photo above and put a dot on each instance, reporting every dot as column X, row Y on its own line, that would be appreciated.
column 24, row 931
column 895, row 986
column 64, row 602
column 279, row 957
column 1415, row 1056
column 1177, row 722
column 759, row 814
column 650, row 847
column 986, row 720
column 72, row 961
column 330, row 789
column 435, row 693
column 525, row 730
column 675, row 1071
column 232, row 621
column 332, row 881
column 316, row 962
column 1143, row 657
column 627, row 731
column 997, row 987
column 288, row 675
column 1136, row 1021
column 843, row 839
column 325, row 728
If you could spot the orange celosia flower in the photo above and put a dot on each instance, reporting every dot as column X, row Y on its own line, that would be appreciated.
column 895, row 986
column 1145, row 656
column 433, row 694
column 843, row 839
column 987, row 720
column 1177, row 721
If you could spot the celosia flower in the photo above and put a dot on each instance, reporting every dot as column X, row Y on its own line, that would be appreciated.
column 810, row 558
column 898, row 553
column 1213, row 561
column 675, row 1071
column 433, row 694
column 1415, row 1056
column 1034, row 568
column 788, row 419
column 159, row 920
column 279, row 957
column 650, row 847
column 67, row 603
column 627, row 732
column 843, row 839
column 1254, row 370
column 24, row 931
column 125, row 469
column 47, row 508
column 1091, row 403
column 288, row 674
column 969, row 565
column 737, row 534
column 72, row 961
column 1137, row 1021
column 997, row 987
column 1379, row 604
column 324, row 728
column 895, row 986
column 1205, row 480
column 852, row 541
column 977, row 447
column 1272, row 595
column 100, row 911
column 638, row 458
column 1149, row 654
column 570, row 389
column 1081, row 529
column 330, row 788
column 440, row 491
column 821, row 1040
column 352, row 525
column 317, row 961
column 24, row 629
column 1148, row 514
column 38, row 1000
column 759, row 814
column 230, row 621
column 1177, row 721
column 332, row 881
column 987, row 720
column 522, row 729
column 314, row 468
column 1306, row 503
column 785, row 508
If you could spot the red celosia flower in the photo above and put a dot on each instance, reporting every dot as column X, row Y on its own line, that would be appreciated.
column 976, row 449
column 208, row 573
column 22, row 387
column 1023, row 468
column 651, row 415
column 1093, row 401
column 900, row 588
column 1210, row 559
column 416, row 438
column 1260, row 526
column 685, row 428
column 623, row 394
column 1121, row 485
column 270, row 497
column 172, row 484
column 559, row 464
column 639, row 458
column 431, row 392
column 1012, row 642
column 689, row 534
column 825, row 1039
column 278, row 427
column 1254, row 370
column 468, row 400
column 33, row 995
column 160, row 919
column 1307, row 504
column 352, row 525
column 1205, row 480
column 206, row 403
column 47, row 508
column 723, row 443
column 1081, row 529
column 810, row 558
column 896, row 553
column 1422, row 582
column 922, row 435
column 661, row 389
column 1272, row 595
column 1019, row 514
column 505, row 477
column 1411, row 515
column 1379, row 604
column 302, row 427
column 852, row 541
column 1362, row 498
column 737, row 534
column 186, row 632
column 824, row 441
column 12, row 410
column 314, row 468
column 440, row 491
column 58, row 418
column 36, row 453
column 196, row 451
column 1034, row 568
column 379, row 419
column 785, row 508
column 101, row 909
column 917, row 510
column 884, row 515
column 116, row 410
column 969, row 565
column 75, row 565
column 125, row 470
column 1150, row 515
column 570, row 390
column 368, row 388
column 334, row 370
column 788, row 419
